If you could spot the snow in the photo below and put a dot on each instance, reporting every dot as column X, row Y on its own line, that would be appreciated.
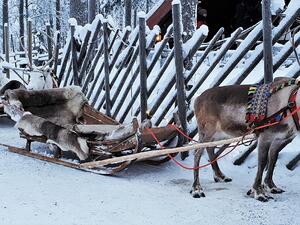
column 142, row 14
column 277, row 6
column 35, row 191
column 72, row 21
column 175, row 2
column 155, row 8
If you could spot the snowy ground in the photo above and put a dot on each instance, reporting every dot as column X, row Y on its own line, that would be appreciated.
column 35, row 192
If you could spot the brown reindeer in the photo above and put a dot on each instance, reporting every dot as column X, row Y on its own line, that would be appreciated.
column 220, row 114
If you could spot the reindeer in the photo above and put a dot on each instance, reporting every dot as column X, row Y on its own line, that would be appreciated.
column 220, row 114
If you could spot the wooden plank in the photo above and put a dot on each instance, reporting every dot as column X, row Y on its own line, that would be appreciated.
column 220, row 54
column 257, row 55
column 91, row 46
column 6, row 48
column 74, row 57
column 239, row 53
column 56, row 52
column 84, row 46
column 143, row 67
column 133, row 78
column 64, row 61
column 26, row 153
column 180, row 83
column 149, row 70
column 131, row 46
column 29, row 42
column 49, row 43
column 106, row 69
column 162, row 152
column 205, row 54
column 292, row 164
column 267, row 40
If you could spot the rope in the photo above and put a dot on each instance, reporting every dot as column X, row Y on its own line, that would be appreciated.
column 198, row 167
column 222, row 156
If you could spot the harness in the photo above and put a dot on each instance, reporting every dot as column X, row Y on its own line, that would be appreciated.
column 259, row 119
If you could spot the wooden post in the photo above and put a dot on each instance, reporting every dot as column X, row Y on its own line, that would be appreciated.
column 134, row 18
column 106, row 69
column 6, row 47
column 143, row 65
column 56, row 52
column 64, row 60
column 74, row 56
column 29, row 42
column 49, row 43
column 176, row 13
column 267, row 37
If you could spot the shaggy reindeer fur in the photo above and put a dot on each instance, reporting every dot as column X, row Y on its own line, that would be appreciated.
column 65, row 139
column 52, row 114
column 12, row 85
column 220, row 114
column 62, row 106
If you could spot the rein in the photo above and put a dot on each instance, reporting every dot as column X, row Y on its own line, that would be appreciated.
column 292, row 107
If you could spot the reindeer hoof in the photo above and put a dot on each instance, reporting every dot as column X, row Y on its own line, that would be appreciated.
column 262, row 198
column 222, row 179
column 276, row 190
column 259, row 195
column 197, row 193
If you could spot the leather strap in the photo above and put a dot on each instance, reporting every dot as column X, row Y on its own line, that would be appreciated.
column 293, row 106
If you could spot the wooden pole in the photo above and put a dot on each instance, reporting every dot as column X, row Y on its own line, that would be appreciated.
column 143, row 65
column 56, row 52
column 176, row 13
column 267, row 38
column 49, row 43
column 29, row 42
column 162, row 152
column 106, row 69
column 6, row 47
column 74, row 56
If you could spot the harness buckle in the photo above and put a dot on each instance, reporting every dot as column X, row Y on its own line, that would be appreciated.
column 291, row 105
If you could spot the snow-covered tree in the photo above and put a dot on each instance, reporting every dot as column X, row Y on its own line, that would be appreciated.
column 21, row 23
column 128, row 9
column 78, row 10
column 189, row 17
column 91, row 10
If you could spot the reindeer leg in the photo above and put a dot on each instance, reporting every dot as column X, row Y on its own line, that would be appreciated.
column 276, row 147
column 219, row 176
column 197, row 191
column 257, row 190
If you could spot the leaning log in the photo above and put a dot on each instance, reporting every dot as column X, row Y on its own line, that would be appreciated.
column 151, row 154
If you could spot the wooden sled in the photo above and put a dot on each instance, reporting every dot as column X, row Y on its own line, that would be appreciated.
column 138, row 141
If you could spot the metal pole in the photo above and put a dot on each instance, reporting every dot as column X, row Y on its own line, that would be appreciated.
column 176, row 9
column 267, row 38
column 106, row 70
column 6, row 47
column 143, row 65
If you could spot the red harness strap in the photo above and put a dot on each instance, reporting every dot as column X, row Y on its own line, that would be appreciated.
column 293, row 106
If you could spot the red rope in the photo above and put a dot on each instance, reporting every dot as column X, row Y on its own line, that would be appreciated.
column 186, row 167
column 222, row 156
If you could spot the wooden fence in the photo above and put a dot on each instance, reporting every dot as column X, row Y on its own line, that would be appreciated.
column 127, row 73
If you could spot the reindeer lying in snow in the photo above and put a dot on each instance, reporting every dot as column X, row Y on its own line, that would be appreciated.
column 220, row 113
